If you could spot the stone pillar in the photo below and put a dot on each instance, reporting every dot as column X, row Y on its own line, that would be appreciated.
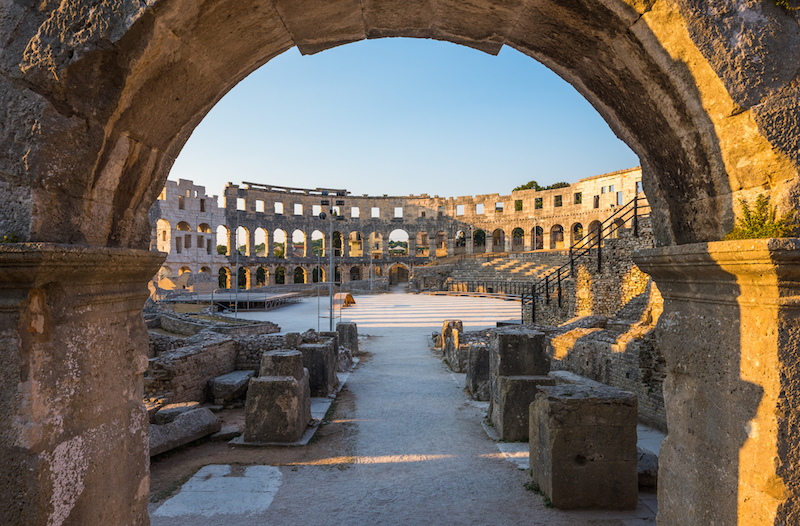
column 385, row 245
column 74, row 444
column 508, row 241
column 489, row 243
column 231, row 245
column 412, row 245
column 432, row 246
column 729, row 334
column 451, row 245
column 470, row 243
column 251, row 242
column 527, row 241
column 345, row 245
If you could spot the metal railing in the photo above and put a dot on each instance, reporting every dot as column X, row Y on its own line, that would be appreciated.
column 552, row 281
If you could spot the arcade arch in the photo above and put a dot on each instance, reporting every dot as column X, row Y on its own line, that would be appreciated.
column 298, row 244
column 498, row 240
column 243, row 241
column 356, row 244
column 376, row 245
column 299, row 275
column 223, row 240
column 557, row 237
column 460, row 242
column 517, row 240
column 279, row 243
column 261, row 242
column 317, row 243
column 163, row 236
column 398, row 243
column 423, row 244
column 398, row 273
column 479, row 242
column 653, row 72
column 441, row 244
column 538, row 238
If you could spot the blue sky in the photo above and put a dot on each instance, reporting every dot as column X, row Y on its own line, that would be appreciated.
column 401, row 116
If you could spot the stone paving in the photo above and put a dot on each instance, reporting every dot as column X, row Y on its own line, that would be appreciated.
column 412, row 448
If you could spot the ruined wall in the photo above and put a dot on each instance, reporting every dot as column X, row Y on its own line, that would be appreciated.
column 182, row 374
column 603, row 292
column 250, row 349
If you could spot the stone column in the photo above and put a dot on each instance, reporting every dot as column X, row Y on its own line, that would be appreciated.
column 451, row 245
column 251, row 242
column 385, row 246
column 729, row 334
column 412, row 245
column 74, row 439
column 470, row 243
column 489, row 243
column 345, row 245
column 508, row 239
column 432, row 246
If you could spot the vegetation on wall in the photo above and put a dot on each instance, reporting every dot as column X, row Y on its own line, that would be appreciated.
column 762, row 222
column 533, row 185
column 10, row 238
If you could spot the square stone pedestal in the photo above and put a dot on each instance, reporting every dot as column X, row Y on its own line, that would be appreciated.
column 583, row 446
column 278, row 409
column 510, row 411
column 321, row 361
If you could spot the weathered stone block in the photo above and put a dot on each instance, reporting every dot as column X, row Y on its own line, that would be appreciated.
column 517, row 352
column 509, row 412
column 647, row 468
column 348, row 336
column 229, row 386
column 478, row 371
column 168, row 413
column 447, row 329
column 583, row 446
column 278, row 409
column 186, row 427
column 320, row 361
column 282, row 362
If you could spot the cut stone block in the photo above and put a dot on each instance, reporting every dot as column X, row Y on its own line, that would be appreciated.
column 509, row 412
column 186, row 427
column 167, row 413
column 583, row 446
column 518, row 352
column 321, row 363
column 478, row 371
column 348, row 336
column 278, row 409
column 229, row 386
column 345, row 359
column 447, row 329
column 282, row 362
column 647, row 468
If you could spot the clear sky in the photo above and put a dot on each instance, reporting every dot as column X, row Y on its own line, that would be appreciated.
column 401, row 116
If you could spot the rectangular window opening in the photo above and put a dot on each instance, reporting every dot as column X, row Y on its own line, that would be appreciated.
column 557, row 201
column 578, row 198
column 181, row 202
column 619, row 198
column 240, row 203
column 538, row 203
column 498, row 208
column 354, row 211
column 259, row 205
column 375, row 212
column 479, row 209
column 316, row 210
column 459, row 210
column 202, row 205
column 638, row 187
column 298, row 209
column 278, row 208
column 398, row 212
column 518, row 205
column 596, row 201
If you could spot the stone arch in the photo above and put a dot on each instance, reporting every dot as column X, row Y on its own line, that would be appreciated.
column 317, row 243
column 557, row 237
column 244, row 278
column 595, row 228
column 355, row 244
column 224, row 234
column 441, row 244
column 460, row 242
column 280, row 275
column 183, row 226
column 706, row 106
column 299, row 244
column 299, row 275
column 498, row 240
column 205, row 270
column 398, row 243
column 423, row 244
column 337, row 243
column 317, row 274
column 243, row 240
column 376, row 245
column 355, row 273
column 279, row 243
column 517, row 240
column 164, row 272
column 479, row 241
column 224, row 278
column 617, row 227
column 261, row 240
column 576, row 233
column 398, row 273
column 262, row 276
column 184, row 270
column 163, row 236
column 537, row 234
column 204, row 228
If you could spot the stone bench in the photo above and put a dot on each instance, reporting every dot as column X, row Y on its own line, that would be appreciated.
column 583, row 446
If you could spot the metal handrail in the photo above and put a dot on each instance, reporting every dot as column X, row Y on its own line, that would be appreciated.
column 580, row 249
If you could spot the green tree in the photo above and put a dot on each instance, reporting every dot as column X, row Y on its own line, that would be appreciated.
column 222, row 250
column 533, row 185
column 763, row 222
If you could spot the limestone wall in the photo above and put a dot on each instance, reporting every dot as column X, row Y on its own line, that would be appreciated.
column 182, row 374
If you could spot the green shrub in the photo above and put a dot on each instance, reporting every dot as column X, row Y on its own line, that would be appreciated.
column 762, row 222
column 10, row 238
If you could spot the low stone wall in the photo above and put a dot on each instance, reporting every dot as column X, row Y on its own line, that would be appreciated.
column 180, row 326
column 250, row 348
column 182, row 375
column 161, row 343
column 254, row 329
